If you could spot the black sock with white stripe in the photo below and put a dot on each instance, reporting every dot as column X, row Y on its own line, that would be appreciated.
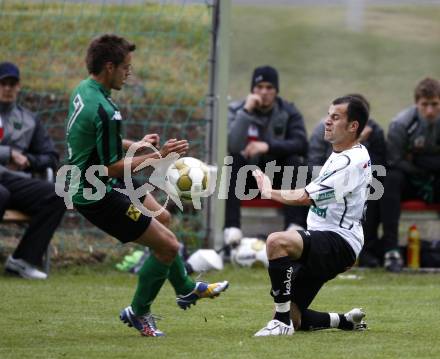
column 313, row 320
column 281, row 272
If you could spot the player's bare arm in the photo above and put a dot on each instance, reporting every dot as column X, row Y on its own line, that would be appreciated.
column 296, row 197
column 173, row 145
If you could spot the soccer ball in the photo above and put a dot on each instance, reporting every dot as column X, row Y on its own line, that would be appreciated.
column 188, row 177
column 251, row 252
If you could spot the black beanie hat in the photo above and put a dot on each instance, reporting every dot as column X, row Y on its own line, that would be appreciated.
column 265, row 74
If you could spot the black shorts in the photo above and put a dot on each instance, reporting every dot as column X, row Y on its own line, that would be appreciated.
column 325, row 255
column 116, row 215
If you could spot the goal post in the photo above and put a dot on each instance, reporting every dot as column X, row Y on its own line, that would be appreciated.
column 218, row 106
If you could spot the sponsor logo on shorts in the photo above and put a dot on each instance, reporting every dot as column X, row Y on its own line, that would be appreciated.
column 133, row 213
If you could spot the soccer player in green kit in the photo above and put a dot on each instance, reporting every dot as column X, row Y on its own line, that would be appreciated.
column 94, row 138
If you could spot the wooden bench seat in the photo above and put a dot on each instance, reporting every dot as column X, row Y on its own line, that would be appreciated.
column 14, row 216
column 417, row 206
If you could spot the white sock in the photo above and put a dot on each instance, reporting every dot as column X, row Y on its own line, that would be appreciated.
column 334, row 320
column 282, row 307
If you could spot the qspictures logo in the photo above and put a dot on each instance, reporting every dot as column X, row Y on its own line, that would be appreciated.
column 69, row 177
column 68, row 181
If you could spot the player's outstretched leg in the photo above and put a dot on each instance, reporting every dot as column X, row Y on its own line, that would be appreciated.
column 187, row 291
column 201, row 290
column 145, row 324
column 281, row 271
column 352, row 320
column 151, row 277
column 283, row 250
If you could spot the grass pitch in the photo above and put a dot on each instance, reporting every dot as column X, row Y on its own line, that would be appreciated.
column 75, row 315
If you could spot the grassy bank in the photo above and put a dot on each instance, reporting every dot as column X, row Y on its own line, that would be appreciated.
column 49, row 39
column 319, row 59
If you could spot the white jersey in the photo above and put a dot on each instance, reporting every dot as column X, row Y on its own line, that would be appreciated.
column 339, row 194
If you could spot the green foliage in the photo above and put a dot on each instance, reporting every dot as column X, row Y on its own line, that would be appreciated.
column 165, row 95
column 75, row 315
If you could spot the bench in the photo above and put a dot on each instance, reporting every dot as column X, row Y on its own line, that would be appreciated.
column 261, row 216
column 261, row 203
column 13, row 216
column 425, row 216
column 417, row 206
column 412, row 205
column 17, row 217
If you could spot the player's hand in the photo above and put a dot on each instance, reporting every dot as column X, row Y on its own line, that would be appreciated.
column 140, row 146
column 253, row 101
column 19, row 161
column 173, row 145
column 254, row 148
column 145, row 143
column 152, row 138
column 263, row 183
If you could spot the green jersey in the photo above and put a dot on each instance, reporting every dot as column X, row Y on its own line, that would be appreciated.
column 93, row 135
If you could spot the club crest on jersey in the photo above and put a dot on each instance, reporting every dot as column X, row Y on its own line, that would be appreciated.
column 117, row 116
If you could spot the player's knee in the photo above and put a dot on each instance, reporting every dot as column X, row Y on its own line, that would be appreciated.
column 282, row 244
column 273, row 244
column 170, row 248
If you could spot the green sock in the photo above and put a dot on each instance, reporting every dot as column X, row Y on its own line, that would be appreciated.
column 152, row 275
column 181, row 282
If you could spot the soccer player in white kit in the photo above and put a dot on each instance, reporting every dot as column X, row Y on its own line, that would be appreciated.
column 300, row 262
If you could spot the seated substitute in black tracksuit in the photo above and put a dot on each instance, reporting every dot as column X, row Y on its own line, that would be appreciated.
column 413, row 158
column 25, row 148
column 264, row 128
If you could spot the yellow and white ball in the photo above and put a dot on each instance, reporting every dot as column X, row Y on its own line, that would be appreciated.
column 251, row 252
column 188, row 177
